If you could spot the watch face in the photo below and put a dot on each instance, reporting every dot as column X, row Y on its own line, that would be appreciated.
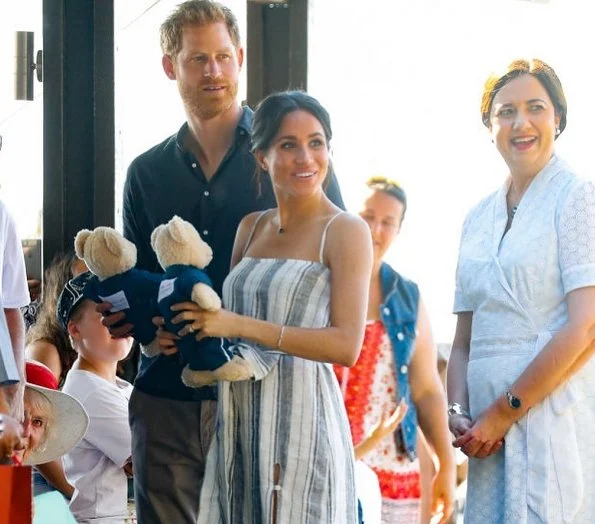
column 513, row 402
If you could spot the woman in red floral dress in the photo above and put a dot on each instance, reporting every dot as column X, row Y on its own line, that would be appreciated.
column 397, row 362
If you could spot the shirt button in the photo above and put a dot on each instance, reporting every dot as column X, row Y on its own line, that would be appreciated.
column 400, row 336
column 206, row 193
column 386, row 311
column 403, row 369
column 194, row 165
column 205, row 232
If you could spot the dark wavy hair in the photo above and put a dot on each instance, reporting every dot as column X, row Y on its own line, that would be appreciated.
column 541, row 71
column 270, row 113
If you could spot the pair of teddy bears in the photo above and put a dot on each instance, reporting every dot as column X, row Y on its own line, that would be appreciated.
column 142, row 295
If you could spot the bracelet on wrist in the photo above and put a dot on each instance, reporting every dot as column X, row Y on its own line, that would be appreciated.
column 454, row 408
column 280, row 339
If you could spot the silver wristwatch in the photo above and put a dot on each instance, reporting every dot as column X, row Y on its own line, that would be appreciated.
column 513, row 401
column 454, row 408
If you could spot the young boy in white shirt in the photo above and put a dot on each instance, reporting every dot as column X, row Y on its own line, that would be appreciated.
column 99, row 465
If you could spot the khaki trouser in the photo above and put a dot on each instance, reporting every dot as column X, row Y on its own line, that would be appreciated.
column 170, row 441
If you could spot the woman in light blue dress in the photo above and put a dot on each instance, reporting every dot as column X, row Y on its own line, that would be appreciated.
column 521, row 377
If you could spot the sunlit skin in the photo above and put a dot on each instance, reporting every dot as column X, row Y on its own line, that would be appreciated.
column 78, row 266
column 523, row 125
column 298, row 156
column 206, row 69
column 383, row 213
column 92, row 339
column 34, row 427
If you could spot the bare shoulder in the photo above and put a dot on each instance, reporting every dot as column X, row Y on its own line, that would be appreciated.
column 347, row 224
column 46, row 353
column 249, row 220
column 246, row 225
column 41, row 348
column 347, row 236
column 242, row 235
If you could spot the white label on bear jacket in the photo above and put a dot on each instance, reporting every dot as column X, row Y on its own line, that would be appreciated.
column 166, row 288
column 117, row 300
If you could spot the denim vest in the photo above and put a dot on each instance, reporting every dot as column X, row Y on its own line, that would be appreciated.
column 399, row 316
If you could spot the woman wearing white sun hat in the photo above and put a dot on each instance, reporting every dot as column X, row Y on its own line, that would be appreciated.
column 54, row 423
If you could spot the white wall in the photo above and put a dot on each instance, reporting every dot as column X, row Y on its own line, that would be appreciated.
column 403, row 80
column 21, row 122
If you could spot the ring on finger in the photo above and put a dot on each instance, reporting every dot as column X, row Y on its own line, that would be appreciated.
column 190, row 328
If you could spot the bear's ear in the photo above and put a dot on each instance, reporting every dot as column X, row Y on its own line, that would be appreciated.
column 115, row 242
column 79, row 242
column 155, row 235
column 176, row 228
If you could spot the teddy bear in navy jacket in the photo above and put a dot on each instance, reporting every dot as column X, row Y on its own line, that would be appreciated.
column 111, row 258
column 183, row 254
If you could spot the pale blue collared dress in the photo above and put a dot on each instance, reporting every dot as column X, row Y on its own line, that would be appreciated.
column 516, row 284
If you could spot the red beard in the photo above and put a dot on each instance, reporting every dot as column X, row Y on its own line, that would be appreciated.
column 206, row 105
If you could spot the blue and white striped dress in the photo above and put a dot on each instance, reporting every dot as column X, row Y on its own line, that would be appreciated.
column 283, row 435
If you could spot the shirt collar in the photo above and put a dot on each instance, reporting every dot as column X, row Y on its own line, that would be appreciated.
column 242, row 129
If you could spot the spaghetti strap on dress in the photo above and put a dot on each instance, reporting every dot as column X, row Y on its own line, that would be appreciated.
column 323, row 239
column 253, row 229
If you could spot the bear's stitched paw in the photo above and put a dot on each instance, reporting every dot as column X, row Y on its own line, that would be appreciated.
column 234, row 370
column 206, row 297
column 198, row 379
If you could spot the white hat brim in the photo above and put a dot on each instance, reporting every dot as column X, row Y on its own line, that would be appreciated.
column 70, row 422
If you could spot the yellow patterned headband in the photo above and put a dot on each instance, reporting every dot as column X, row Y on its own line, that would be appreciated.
column 382, row 180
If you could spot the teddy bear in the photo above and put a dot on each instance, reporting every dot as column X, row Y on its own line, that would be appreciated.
column 111, row 258
column 183, row 254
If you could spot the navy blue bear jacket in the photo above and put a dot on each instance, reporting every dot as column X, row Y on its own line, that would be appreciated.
column 135, row 293
column 207, row 354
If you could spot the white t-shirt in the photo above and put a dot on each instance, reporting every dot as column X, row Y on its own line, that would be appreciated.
column 94, row 466
column 14, row 292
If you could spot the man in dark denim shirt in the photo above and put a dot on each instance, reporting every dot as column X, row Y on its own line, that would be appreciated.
column 204, row 174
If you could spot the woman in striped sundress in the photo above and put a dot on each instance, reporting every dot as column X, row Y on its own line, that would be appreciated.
column 296, row 301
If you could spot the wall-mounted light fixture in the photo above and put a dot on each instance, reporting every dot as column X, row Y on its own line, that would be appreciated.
column 25, row 64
